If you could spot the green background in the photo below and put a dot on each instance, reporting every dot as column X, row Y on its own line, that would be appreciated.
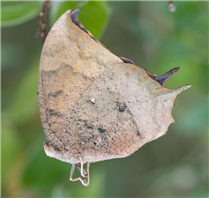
column 175, row 165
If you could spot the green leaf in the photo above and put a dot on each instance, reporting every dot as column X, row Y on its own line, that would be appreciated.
column 44, row 170
column 93, row 16
column 15, row 13
column 25, row 103
column 10, row 145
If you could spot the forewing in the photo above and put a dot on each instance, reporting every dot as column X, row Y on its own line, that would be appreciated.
column 70, row 61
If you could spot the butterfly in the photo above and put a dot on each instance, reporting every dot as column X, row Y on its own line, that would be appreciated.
column 94, row 105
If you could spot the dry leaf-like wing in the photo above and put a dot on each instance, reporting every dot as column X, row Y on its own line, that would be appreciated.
column 94, row 105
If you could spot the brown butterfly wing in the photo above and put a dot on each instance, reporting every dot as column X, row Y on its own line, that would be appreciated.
column 129, row 110
column 70, row 61
column 94, row 104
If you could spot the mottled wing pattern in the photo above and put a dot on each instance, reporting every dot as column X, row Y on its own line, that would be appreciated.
column 129, row 110
column 94, row 104
column 70, row 61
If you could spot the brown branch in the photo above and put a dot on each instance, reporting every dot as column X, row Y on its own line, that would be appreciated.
column 41, row 32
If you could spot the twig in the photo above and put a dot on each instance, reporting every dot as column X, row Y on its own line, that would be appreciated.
column 41, row 32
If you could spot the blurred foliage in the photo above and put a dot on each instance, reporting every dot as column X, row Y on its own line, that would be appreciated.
column 175, row 165
column 17, row 12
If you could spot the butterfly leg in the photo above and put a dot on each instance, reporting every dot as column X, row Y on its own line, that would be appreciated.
column 81, row 162
column 71, row 175
column 84, row 172
column 85, row 179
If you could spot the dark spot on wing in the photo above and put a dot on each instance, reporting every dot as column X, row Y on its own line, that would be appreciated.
column 88, row 126
column 57, row 93
column 52, row 112
column 138, row 133
column 122, row 107
column 85, row 123
column 60, row 115
column 101, row 130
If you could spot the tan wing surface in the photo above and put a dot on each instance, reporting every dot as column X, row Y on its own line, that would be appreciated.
column 70, row 61
column 92, row 103
column 129, row 110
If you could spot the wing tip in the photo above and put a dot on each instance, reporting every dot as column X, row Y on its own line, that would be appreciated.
column 185, row 87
